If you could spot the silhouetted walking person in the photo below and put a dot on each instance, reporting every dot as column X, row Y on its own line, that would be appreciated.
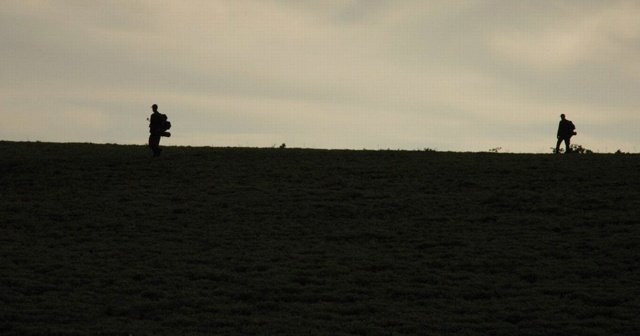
column 565, row 132
column 158, row 126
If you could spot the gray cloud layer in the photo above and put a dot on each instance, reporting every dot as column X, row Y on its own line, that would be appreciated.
column 464, row 75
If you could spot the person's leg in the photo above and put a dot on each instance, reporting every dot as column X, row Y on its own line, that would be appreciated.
column 567, row 142
column 154, row 144
column 558, row 145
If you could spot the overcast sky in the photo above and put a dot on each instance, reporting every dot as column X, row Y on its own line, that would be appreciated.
column 445, row 75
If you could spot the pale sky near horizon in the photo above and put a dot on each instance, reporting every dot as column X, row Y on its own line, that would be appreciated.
column 461, row 75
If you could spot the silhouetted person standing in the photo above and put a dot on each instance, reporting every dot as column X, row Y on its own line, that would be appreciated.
column 158, row 126
column 565, row 132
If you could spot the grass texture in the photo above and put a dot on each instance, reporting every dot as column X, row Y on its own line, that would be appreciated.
column 105, row 240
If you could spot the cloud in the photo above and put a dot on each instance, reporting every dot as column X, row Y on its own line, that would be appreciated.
column 466, row 75
column 576, row 36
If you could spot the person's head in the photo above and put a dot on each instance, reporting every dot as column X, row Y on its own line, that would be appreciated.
column 154, row 107
column 562, row 116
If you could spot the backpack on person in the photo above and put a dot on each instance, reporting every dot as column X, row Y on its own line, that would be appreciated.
column 572, row 127
column 165, row 126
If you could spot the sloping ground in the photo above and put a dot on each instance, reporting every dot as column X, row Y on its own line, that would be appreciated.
column 105, row 240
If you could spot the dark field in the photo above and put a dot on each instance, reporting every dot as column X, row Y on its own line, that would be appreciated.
column 105, row 240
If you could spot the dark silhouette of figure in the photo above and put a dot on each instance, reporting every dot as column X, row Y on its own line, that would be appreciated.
column 565, row 132
column 158, row 126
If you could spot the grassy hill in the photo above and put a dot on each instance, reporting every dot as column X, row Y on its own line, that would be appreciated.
column 105, row 240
